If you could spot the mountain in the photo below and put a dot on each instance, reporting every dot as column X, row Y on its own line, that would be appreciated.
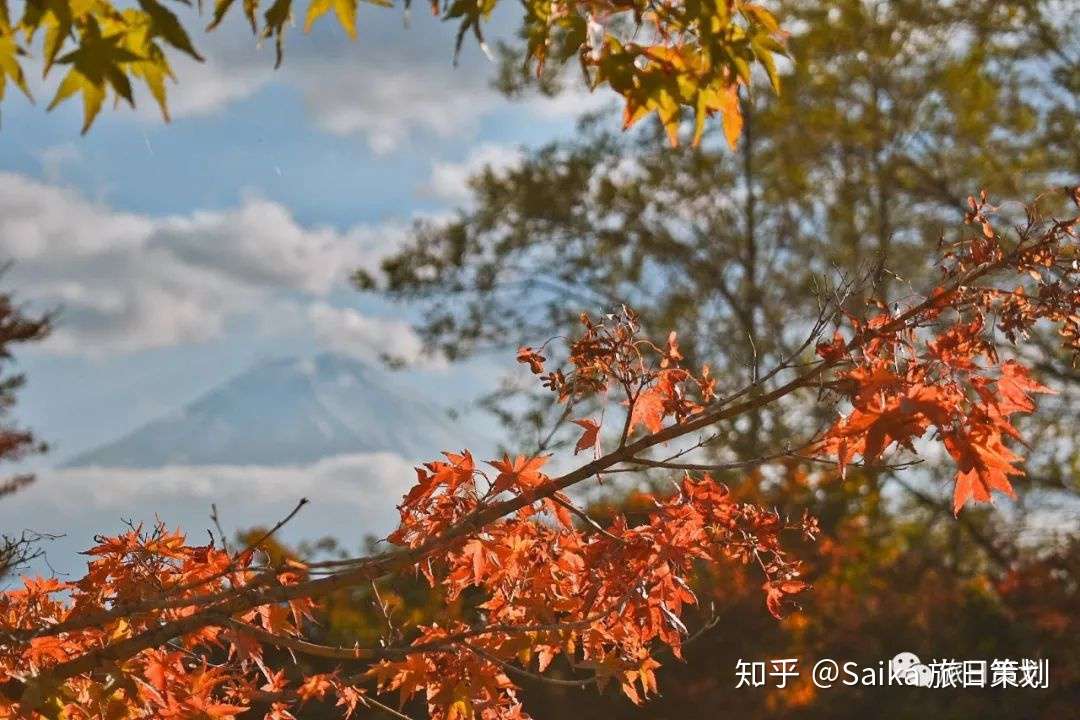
column 287, row 412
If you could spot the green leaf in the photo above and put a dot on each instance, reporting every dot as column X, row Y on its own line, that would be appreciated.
column 93, row 95
column 770, row 43
column 575, row 36
column 251, row 8
column 55, row 35
column 58, row 18
column 153, row 68
column 153, row 74
column 742, row 68
column 762, row 17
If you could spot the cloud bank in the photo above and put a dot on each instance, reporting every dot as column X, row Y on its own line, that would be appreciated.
column 368, row 483
column 127, row 282
column 350, row 497
column 450, row 181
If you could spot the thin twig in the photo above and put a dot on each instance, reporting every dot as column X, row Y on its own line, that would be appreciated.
column 582, row 683
column 221, row 531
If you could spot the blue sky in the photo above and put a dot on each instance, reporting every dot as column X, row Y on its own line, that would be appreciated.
column 183, row 253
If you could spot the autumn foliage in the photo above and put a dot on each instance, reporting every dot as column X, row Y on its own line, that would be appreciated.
column 953, row 381
column 161, row 628
column 663, row 58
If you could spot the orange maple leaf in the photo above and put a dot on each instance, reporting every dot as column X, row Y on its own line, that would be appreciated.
column 984, row 464
column 532, row 358
column 522, row 472
column 776, row 591
column 1015, row 384
column 589, row 438
column 649, row 409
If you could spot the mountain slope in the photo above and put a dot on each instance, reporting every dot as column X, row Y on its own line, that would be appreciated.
column 286, row 412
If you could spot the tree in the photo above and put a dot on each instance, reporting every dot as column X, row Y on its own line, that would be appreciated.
column 529, row 586
column 864, row 158
column 859, row 163
column 161, row 628
column 15, row 442
column 661, row 57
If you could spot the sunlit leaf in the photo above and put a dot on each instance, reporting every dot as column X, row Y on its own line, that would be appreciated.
column 344, row 9
column 96, row 64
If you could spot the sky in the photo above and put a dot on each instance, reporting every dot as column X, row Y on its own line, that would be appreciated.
column 181, row 254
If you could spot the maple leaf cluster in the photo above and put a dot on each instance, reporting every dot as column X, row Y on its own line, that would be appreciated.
column 134, row 582
column 160, row 628
column 598, row 596
column 935, row 365
column 611, row 356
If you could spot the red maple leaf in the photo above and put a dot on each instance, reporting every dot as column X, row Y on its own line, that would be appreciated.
column 589, row 437
column 776, row 592
column 984, row 464
column 649, row 409
column 1015, row 384
column 522, row 472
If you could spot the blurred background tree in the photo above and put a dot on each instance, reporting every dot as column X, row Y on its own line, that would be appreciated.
column 891, row 114
column 16, row 442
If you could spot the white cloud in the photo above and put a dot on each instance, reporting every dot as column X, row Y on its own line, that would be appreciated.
column 572, row 102
column 128, row 282
column 450, row 181
column 206, row 87
column 112, row 315
column 260, row 243
column 387, row 107
column 40, row 221
column 348, row 332
column 350, row 497
column 388, row 86
column 359, row 481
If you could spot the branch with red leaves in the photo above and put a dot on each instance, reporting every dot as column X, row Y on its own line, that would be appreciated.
column 161, row 628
